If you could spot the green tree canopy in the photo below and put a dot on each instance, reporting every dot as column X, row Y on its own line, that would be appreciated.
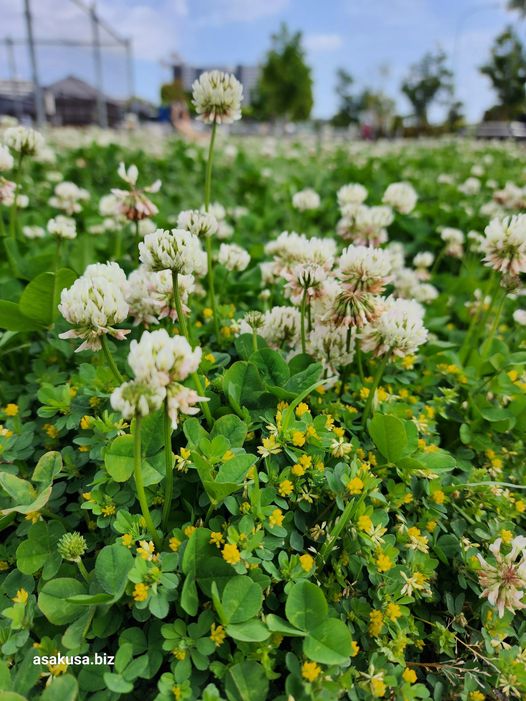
column 285, row 85
column 506, row 70
column 348, row 105
column 428, row 80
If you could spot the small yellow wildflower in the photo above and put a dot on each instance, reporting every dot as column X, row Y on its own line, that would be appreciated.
column 33, row 516
column 217, row 634
column 393, row 611
column 306, row 562
column 127, row 540
column 298, row 438
column 384, row 562
column 245, row 507
column 11, row 410
column 298, row 470
column 365, row 523
column 301, row 409
column 86, row 496
column 179, row 653
column 355, row 486
column 355, row 648
column 210, row 357
column 339, row 431
column 51, row 430
column 310, row 671
column 21, row 597
column 364, row 392
column 285, row 488
column 216, row 538
column 376, row 622
column 227, row 456
column 431, row 525
column 409, row 675
column 109, row 510
column 311, row 432
column 438, row 496
column 188, row 530
column 177, row 692
column 507, row 536
column 3, row 565
column 140, row 592
column 408, row 362
column 174, row 544
column 276, row 518
column 208, row 313
column 520, row 506
column 146, row 550
column 476, row 696
column 382, row 394
column 231, row 554
column 378, row 687
column 84, row 448
column 269, row 447
column 85, row 422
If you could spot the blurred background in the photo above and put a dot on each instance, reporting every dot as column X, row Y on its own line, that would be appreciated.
column 383, row 68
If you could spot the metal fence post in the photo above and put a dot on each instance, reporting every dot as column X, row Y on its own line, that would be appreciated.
column 39, row 101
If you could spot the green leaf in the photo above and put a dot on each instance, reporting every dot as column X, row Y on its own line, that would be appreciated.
column 189, row 598
column 33, row 553
column 18, row 489
column 118, row 458
column 112, row 567
column 280, row 625
column 64, row 688
column 36, row 301
column 242, row 599
column 12, row 319
column 249, row 632
column 329, row 643
column 52, row 600
column 246, row 681
column 306, row 606
column 242, row 385
column 117, row 684
column 272, row 368
column 232, row 427
column 389, row 435
column 48, row 467
column 90, row 599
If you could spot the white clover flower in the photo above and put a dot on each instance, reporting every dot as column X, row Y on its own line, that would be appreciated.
column 305, row 200
column 162, row 359
column 93, row 305
column 6, row 159
column 68, row 197
column 177, row 250
column 137, row 398
column 26, row 142
column 217, row 97
column 7, row 191
column 351, row 194
column 150, row 295
column 504, row 582
column 133, row 203
column 423, row 260
column 62, row 227
column 333, row 346
column 181, row 399
column 197, row 222
column 398, row 330
column 510, row 196
column 281, row 327
column 33, row 232
column 400, row 196
column 454, row 238
column 471, row 186
column 519, row 316
column 129, row 175
column 233, row 257
column 110, row 206
column 364, row 268
column 291, row 248
column 504, row 245
column 111, row 271
column 146, row 226
column 366, row 225
column 408, row 284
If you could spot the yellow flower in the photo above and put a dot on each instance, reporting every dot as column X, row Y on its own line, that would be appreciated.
column 269, row 447
column 384, row 563
column 147, row 550
column 285, row 488
column 231, row 554
column 298, row 470
column 86, row 496
column 431, row 525
column 57, row 669
column 208, row 313
column 507, row 536
column 11, row 409
column 5, row 432
column 381, row 394
column 393, row 611
column 376, row 622
column 364, row 392
column 188, row 530
column 179, row 653
column 408, row 362
column 409, row 675
column 210, row 357
column 301, row 409
column 21, row 597
column 245, row 507
column 3, row 565
column 355, row 485
column 306, row 562
column 33, row 516
column 216, row 538
column 109, row 510
column 217, row 634
column 177, row 692
column 276, row 518
column 140, row 592
column 85, row 422
column 476, row 696
column 365, row 523
column 310, row 671
column 298, row 438
column 355, row 648
column 227, row 456
column 174, row 544
column 438, row 496
column 520, row 506
column 127, row 540
column 51, row 430
column 339, row 431
column 319, row 465
column 378, row 687
column 311, row 432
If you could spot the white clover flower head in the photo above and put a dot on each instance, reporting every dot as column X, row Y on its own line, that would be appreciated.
column 305, row 200
column 217, row 97
column 24, row 141
column 110, row 206
column 111, row 271
column 93, row 305
column 305, row 279
column 365, row 225
column 281, row 327
column 363, row 268
column 233, row 257
column 130, row 175
column 400, row 196
column 6, row 159
column 7, row 191
column 199, row 223
column 177, row 250
column 136, row 398
column 162, row 359
column 146, row 226
column 68, row 197
column 291, row 248
column 182, row 400
column 519, row 316
column 150, row 295
column 423, row 260
column 134, row 205
column 333, row 346
column 351, row 194
column 454, row 240
column 33, row 232
column 398, row 330
column 471, row 186
column 62, row 227
column 504, row 245
column 504, row 583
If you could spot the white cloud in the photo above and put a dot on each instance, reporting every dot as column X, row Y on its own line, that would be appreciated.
column 323, row 42
column 222, row 12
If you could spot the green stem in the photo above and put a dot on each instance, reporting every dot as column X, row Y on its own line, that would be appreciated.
column 478, row 321
column 55, row 285
column 335, row 532
column 303, row 309
column 254, row 340
column 14, row 206
column 168, row 462
column 83, row 571
column 139, row 484
column 486, row 346
column 372, row 392
column 208, row 174
column 359, row 362
column 438, row 260
column 109, row 359
column 211, row 285
column 2, row 225
column 210, row 262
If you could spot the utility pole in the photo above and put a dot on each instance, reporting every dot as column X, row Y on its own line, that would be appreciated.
column 102, row 111
column 129, row 71
column 39, row 101
column 17, row 96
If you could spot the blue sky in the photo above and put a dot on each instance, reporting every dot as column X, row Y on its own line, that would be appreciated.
column 376, row 40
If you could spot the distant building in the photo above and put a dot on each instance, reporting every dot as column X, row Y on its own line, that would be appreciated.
column 184, row 72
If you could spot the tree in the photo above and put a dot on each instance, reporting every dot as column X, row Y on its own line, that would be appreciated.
column 518, row 6
column 428, row 80
column 349, row 105
column 285, row 84
column 506, row 70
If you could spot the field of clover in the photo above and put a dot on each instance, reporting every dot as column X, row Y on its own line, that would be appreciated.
column 263, row 409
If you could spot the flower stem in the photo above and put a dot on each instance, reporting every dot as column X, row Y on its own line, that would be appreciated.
column 372, row 391
column 55, row 286
column 139, row 484
column 168, row 462
column 210, row 262
column 83, row 571
column 14, row 207
column 335, row 532
column 303, row 310
column 486, row 346
column 109, row 359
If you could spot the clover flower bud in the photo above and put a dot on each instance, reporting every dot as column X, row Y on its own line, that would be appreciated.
column 72, row 546
column 217, row 97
